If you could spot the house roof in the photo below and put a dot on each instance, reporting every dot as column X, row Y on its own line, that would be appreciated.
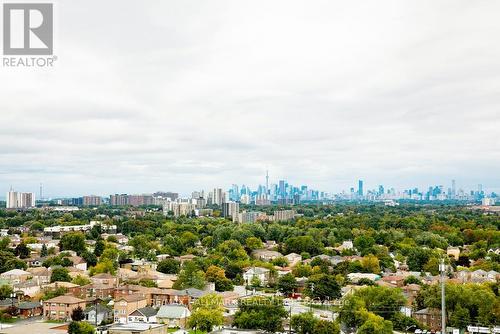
column 29, row 305
column 103, row 276
column 8, row 302
column 173, row 312
column 65, row 299
column 196, row 293
column 60, row 284
column 132, row 298
column 100, row 309
column 39, row 271
column 15, row 272
column 428, row 311
column 257, row 271
column 145, row 311
column 135, row 327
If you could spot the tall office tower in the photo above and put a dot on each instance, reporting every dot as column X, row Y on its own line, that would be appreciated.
column 282, row 189
column 19, row 200
column 267, row 184
column 453, row 188
column 480, row 188
column 380, row 189
column 234, row 193
column 218, row 196
column 360, row 187
column 231, row 209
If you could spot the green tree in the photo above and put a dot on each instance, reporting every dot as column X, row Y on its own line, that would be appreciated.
column 208, row 312
column 74, row 241
column 232, row 250
column 326, row 327
column 104, row 266
column 80, row 327
column 5, row 291
column 81, row 280
column 169, row 266
column 304, row 323
column 44, row 252
column 77, row 314
column 363, row 243
column 253, row 243
column 370, row 264
column 22, row 251
column 375, row 325
column 260, row 313
column 323, row 287
column 4, row 242
column 60, row 274
column 218, row 276
column 304, row 243
column 381, row 300
column 99, row 247
column 353, row 311
column 412, row 280
column 190, row 276
column 287, row 284
column 417, row 258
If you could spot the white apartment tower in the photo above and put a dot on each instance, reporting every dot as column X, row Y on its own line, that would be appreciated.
column 19, row 200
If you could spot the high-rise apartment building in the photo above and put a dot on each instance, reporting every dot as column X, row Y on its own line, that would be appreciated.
column 92, row 200
column 218, row 196
column 20, row 200
column 231, row 209
column 118, row 199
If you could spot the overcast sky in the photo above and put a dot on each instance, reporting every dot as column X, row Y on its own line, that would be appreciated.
column 185, row 95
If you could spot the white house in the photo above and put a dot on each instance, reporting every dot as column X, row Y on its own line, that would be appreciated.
column 144, row 314
column 173, row 315
column 293, row 259
column 261, row 273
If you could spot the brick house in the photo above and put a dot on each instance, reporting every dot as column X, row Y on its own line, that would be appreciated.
column 61, row 307
column 429, row 317
column 125, row 305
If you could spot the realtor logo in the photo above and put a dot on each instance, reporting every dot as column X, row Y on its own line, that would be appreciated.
column 27, row 29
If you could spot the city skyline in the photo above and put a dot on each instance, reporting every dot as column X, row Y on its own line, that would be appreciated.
column 370, row 187
column 326, row 94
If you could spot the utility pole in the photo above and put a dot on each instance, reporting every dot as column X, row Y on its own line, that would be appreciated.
column 442, row 269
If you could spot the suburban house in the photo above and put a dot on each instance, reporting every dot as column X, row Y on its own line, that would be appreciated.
column 256, row 272
column 78, row 262
column 30, row 309
column 16, row 276
column 145, row 314
column 266, row 255
column 97, row 317
column 173, row 315
column 293, row 259
column 61, row 307
column 105, row 279
column 40, row 274
column 28, row 288
column 138, row 328
column 429, row 317
column 355, row 277
column 126, row 305
column 92, row 290
column 397, row 281
column 453, row 252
